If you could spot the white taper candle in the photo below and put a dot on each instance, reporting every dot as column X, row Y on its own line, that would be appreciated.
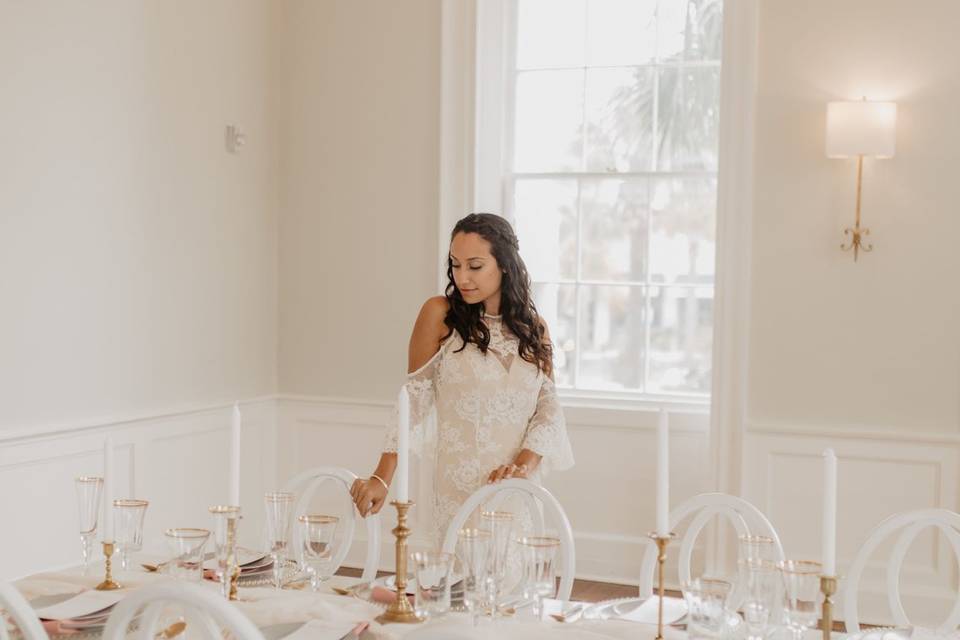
column 663, row 475
column 829, row 513
column 235, row 425
column 403, row 446
column 109, row 482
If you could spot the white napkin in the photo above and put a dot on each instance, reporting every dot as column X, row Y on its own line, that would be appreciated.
column 85, row 603
column 321, row 630
column 673, row 610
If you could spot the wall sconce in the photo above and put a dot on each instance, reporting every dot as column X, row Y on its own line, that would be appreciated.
column 858, row 130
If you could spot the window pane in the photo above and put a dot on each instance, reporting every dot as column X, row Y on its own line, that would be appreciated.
column 557, row 305
column 681, row 338
column 683, row 230
column 546, row 225
column 611, row 337
column 619, row 124
column 550, row 33
column 671, row 20
column 549, row 119
column 621, row 32
column 688, row 119
column 615, row 224
column 705, row 26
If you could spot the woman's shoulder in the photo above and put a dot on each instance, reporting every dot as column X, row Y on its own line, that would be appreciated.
column 428, row 332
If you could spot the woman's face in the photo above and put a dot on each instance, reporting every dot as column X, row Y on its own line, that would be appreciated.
column 475, row 270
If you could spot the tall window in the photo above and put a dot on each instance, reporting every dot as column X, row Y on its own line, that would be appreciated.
column 610, row 112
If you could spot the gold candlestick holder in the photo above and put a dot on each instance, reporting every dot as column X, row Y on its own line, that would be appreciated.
column 662, row 542
column 108, row 583
column 828, row 586
column 400, row 610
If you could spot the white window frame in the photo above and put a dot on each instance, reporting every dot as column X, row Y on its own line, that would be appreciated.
column 473, row 71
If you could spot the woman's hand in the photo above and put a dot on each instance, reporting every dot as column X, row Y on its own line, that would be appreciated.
column 369, row 495
column 506, row 471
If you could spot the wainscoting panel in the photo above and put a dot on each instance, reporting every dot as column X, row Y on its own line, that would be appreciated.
column 177, row 461
column 879, row 474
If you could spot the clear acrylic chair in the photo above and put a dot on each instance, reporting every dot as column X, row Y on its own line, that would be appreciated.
column 908, row 525
column 745, row 518
column 21, row 613
column 206, row 614
column 304, row 485
column 535, row 497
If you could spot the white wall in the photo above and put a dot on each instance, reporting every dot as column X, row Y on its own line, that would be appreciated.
column 360, row 165
column 863, row 357
column 137, row 257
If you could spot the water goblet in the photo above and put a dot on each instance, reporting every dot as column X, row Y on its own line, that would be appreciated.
column 432, row 571
column 801, row 584
column 278, row 504
column 539, row 569
column 225, row 543
column 706, row 604
column 500, row 525
column 187, row 545
column 473, row 549
column 316, row 547
column 129, row 515
column 759, row 580
column 89, row 489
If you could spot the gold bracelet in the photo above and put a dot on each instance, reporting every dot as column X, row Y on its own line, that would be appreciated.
column 382, row 481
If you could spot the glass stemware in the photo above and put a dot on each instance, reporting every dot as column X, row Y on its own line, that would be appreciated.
column 226, row 518
column 759, row 579
column 89, row 489
column 500, row 525
column 752, row 547
column 187, row 544
column 129, row 515
column 707, row 605
column 539, row 570
column 316, row 548
column 278, row 504
column 473, row 549
column 801, row 584
column 432, row 571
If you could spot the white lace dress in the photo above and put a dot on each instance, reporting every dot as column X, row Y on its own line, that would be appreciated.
column 471, row 412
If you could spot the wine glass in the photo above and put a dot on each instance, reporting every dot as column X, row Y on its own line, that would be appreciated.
column 801, row 583
column 473, row 549
column 225, row 543
column 316, row 548
column 129, row 516
column 759, row 579
column 500, row 525
column 539, row 569
column 89, row 489
column 278, row 504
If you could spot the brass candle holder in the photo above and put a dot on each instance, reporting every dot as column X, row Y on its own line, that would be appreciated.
column 828, row 586
column 662, row 542
column 108, row 583
column 400, row 610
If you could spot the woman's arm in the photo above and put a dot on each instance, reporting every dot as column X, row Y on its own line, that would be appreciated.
column 429, row 330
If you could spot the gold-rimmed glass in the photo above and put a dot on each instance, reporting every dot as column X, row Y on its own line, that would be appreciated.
column 754, row 547
column 129, row 514
column 316, row 548
column 500, row 526
column 539, row 569
column 801, row 591
column 473, row 549
column 279, row 505
column 758, row 579
column 187, row 545
column 89, row 489
column 226, row 519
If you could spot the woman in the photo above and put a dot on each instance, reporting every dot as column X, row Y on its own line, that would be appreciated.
column 480, row 357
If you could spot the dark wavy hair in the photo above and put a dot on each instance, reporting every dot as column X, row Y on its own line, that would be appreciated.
column 516, row 304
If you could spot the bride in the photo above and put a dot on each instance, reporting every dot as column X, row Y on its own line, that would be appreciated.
column 480, row 358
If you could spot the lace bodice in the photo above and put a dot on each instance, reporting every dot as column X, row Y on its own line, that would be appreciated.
column 488, row 407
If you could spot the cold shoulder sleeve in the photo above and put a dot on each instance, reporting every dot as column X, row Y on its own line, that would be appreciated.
column 421, row 387
column 547, row 431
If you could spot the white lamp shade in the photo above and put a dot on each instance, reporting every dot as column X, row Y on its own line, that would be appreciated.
column 861, row 129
